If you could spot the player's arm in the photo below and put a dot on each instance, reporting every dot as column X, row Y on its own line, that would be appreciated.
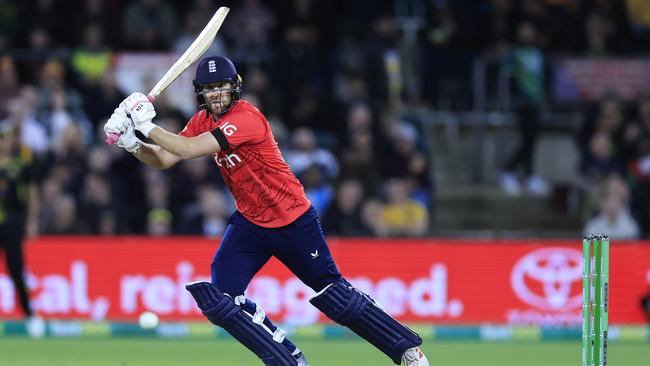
column 155, row 156
column 142, row 112
column 204, row 144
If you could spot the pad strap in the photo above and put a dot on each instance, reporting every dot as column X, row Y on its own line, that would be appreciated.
column 221, row 310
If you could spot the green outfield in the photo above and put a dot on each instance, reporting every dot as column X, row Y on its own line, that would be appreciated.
column 18, row 351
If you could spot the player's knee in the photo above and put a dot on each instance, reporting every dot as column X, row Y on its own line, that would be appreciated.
column 215, row 305
column 340, row 302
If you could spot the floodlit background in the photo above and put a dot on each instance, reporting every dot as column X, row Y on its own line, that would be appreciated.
column 457, row 152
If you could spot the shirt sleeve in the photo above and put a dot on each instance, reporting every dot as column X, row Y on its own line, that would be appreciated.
column 192, row 127
column 243, row 128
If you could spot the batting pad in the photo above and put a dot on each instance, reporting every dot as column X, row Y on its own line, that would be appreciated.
column 222, row 311
column 357, row 311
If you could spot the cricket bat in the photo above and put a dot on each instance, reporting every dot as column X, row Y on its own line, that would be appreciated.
column 196, row 49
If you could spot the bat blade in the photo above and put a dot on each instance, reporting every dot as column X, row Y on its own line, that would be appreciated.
column 193, row 52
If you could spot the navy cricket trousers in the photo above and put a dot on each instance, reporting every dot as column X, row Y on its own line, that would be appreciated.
column 246, row 247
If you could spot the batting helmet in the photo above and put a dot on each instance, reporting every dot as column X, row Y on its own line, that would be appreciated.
column 216, row 69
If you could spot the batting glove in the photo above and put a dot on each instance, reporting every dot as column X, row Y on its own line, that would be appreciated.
column 129, row 141
column 117, row 123
column 141, row 111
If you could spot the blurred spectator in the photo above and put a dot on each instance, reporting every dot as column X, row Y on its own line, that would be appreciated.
column 9, row 83
column 372, row 215
column 93, row 58
column 9, row 24
column 159, row 222
column 401, row 215
column 101, row 98
column 69, row 154
column 318, row 190
column 526, row 65
column 53, row 80
column 403, row 158
column 208, row 216
column 357, row 154
column 46, row 15
column 58, row 115
column 614, row 218
column 100, row 13
column 193, row 25
column 446, row 61
column 95, row 206
column 305, row 153
column 250, row 27
column 599, row 162
column 257, row 83
column 149, row 25
column 64, row 217
column 32, row 133
column 302, row 64
column 343, row 218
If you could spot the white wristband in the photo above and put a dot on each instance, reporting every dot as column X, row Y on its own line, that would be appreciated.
column 146, row 127
column 133, row 148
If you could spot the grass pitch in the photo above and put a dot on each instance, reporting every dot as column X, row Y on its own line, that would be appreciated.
column 353, row 352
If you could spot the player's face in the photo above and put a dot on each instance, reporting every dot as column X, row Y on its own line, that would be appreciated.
column 218, row 96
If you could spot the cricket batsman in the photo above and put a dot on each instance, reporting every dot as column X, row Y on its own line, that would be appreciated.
column 273, row 217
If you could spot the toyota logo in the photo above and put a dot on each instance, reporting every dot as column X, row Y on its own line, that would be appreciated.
column 549, row 279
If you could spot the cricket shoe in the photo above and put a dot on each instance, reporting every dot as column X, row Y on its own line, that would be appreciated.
column 414, row 357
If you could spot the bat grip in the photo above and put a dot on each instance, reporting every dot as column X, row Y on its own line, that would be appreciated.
column 113, row 137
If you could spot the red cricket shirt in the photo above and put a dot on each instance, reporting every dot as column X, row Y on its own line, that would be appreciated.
column 266, row 191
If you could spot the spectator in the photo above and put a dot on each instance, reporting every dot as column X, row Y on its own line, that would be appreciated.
column 208, row 215
column 372, row 211
column 526, row 65
column 343, row 218
column 401, row 215
column 95, row 206
column 599, row 162
column 64, row 217
column 9, row 84
column 149, row 25
column 403, row 158
column 306, row 153
column 100, row 98
column 250, row 27
column 318, row 190
column 193, row 25
column 159, row 222
column 32, row 133
column 91, row 60
column 613, row 218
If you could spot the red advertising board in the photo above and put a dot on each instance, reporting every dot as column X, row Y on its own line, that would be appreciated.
column 441, row 281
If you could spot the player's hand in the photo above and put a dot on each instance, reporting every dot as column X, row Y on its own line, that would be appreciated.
column 117, row 123
column 129, row 141
column 141, row 111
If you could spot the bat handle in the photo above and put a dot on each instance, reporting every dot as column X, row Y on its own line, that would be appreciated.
column 113, row 137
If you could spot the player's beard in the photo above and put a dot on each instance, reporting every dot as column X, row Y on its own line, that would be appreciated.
column 217, row 107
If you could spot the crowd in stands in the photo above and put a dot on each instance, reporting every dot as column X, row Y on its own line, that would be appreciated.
column 334, row 78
